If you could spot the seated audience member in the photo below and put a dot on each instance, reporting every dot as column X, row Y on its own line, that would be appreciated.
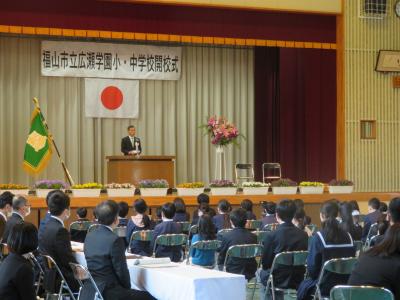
column 204, row 208
column 47, row 217
column 16, row 272
column 347, row 223
column 380, row 265
column 140, row 221
column 393, row 215
column 105, row 257
column 206, row 232
column 286, row 237
column 238, row 236
column 79, row 235
column 383, row 225
column 56, row 242
column 247, row 205
column 167, row 226
column 383, row 208
column 123, row 213
column 298, row 221
column 269, row 213
column 355, row 213
column 330, row 242
column 299, row 203
column 221, row 220
column 372, row 216
column 20, row 209
column 5, row 210
column 180, row 211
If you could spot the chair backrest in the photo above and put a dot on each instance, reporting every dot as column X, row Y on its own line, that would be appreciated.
column 194, row 229
column 120, row 231
column 222, row 231
column 344, row 292
column 170, row 240
column 312, row 228
column 373, row 230
column 185, row 226
column 358, row 245
column 274, row 168
column 81, row 274
column 93, row 226
column 243, row 251
column 244, row 171
column 260, row 235
column 80, row 225
column 271, row 227
column 204, row 245
column 254, row 224
column 142, row 235
column 290, row 258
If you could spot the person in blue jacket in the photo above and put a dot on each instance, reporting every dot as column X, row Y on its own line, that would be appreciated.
column 206, row 232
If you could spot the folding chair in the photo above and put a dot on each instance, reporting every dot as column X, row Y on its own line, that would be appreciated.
column 312, row 227
column 120, row 231
column 170, row 240
column 80, row 225
column 248, row 171
column 51, row 264
column 245, row 251
column 82, row 274
column 260, row 235
column 344, row 292
column 193, row 229
column 274, row 168
column 359, row 247
column 38, row 267
column 289, row 259
column 212, row 245
column 373, row 231
column 271, row 227
column 185, row 226
column 254, row 224
column 141, row 235
column 93, row 227
column 342, row 266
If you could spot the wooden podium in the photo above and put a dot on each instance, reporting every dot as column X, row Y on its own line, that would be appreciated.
column 132, row 169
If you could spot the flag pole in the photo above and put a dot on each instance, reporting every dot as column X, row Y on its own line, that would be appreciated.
column 67, row 174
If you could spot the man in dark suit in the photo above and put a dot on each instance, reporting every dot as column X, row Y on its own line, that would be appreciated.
column 130, row 145
column 56, row 242
column 5, row 210
column 47, row 217
column 269, row 213
column 286, row 237
column 237, row 236
column 372, row 217
column 21, row 209
column 106, row 261
column 167, row 226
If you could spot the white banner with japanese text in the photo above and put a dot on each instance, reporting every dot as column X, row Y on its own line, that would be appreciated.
column 106, row 60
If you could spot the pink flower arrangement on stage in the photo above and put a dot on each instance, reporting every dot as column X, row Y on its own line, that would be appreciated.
column 222, row 132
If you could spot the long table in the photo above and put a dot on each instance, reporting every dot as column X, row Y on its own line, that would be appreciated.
column 175, row 281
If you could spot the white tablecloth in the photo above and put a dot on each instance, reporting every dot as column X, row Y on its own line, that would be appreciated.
column 182, row 282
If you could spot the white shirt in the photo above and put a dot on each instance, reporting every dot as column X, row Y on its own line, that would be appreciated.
column 58, row 219
column 167, row 220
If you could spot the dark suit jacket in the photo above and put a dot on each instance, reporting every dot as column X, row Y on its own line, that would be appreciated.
column 56, row 242
column 271, row 219
column 11, row 222
column 2, row 226
column 286, row 237
column 126, row 145
column 245, row 266
column 43, row 223
column 106, row 261
column 173, row 252
column 219, row 221
column 195, row 218
column 378, row 271
column 16, row 279
column 370, row 219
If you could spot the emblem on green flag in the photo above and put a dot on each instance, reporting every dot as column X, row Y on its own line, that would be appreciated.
column 38, row 145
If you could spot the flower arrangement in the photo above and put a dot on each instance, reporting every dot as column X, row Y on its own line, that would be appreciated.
column 221, row 183
column 255, row 184
column 50, row 184
column 284, row 182
column 119, row 186
column 89, row 185
column 150, row 183
column 341, row 182
column 222, row 132
column 311, row 183
column 191, row 185
column 12, row 186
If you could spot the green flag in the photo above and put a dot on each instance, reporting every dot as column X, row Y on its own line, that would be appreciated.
column 38, row 145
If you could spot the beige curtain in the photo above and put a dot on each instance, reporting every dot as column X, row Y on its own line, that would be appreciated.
column 214, row 81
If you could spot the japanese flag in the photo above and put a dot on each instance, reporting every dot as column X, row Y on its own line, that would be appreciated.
column 109, row 98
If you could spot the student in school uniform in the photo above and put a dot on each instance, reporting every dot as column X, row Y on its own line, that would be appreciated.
column 269, row 213
column 204, row 208
column 180, row 214
column 167, row 226
column 123, row 213
column 221, row 220
column 247, row 205
column 206, row 232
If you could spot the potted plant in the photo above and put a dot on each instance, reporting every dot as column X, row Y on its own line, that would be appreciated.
column 190, row 188
column 120, row 189
column 150, row 187
column 255, row 188
column 341, row 186
column 284, row 186
column 90, row 189
column 222, row 187
column 311, row 187
column 16, row 189
column 43, row 187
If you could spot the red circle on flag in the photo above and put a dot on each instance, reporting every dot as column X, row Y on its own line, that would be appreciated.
column 112, row 97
